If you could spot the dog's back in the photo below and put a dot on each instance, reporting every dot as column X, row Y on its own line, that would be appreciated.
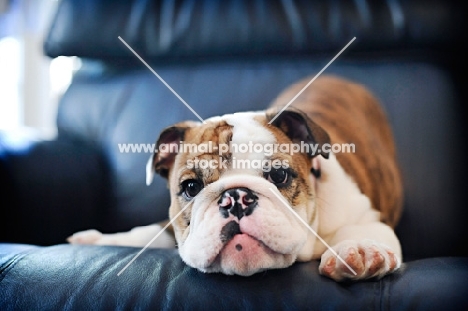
column 351, row 115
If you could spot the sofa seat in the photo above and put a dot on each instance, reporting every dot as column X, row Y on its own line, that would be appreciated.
column 159, row 280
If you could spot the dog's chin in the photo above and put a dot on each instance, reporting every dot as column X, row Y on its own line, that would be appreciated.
column 244, row 255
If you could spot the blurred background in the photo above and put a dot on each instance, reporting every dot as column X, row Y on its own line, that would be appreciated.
column 30, row 83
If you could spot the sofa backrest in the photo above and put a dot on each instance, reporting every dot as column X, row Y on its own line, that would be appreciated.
column 228, row 56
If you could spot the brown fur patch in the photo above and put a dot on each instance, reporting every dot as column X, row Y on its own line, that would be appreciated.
column 215, row 132
column 350, row 114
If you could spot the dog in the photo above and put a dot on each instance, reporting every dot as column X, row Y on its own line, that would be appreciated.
column 243, row 220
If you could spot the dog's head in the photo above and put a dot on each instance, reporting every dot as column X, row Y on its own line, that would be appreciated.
column 221, row 175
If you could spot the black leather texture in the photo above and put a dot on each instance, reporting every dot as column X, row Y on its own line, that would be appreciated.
column 188, row 28
column 66, row 277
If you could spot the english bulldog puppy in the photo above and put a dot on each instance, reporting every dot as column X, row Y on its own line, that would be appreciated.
column 236, row 210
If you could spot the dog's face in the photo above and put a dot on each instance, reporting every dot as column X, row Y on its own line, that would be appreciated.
column 232, row 221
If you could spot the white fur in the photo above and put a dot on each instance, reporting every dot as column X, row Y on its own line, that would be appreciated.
column 367, row 257
column 344, row 212
column 137, row 237
column 247, row 130
column 272, row 223
column 348, row 224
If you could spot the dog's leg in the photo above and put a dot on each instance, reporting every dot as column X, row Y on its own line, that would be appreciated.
column 371, row 250
column 137, row 237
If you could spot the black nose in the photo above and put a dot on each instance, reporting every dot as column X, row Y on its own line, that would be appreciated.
column 239, row 202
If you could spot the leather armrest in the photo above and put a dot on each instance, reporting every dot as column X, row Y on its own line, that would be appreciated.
column 51, row 189
column 87, row 278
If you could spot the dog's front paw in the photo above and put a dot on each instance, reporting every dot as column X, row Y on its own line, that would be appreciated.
column 367, row 258
column 85, row 237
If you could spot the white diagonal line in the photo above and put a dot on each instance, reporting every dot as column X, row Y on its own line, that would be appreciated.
column 162, row 80
column 155, row 237
column 313, row 79
column 312, row 230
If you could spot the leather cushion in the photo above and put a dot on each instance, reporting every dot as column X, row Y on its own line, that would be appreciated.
column 85, row 277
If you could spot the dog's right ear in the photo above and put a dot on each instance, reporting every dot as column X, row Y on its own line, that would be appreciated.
column 167, row 147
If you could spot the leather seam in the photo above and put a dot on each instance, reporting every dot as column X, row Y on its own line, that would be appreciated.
column 12, row 262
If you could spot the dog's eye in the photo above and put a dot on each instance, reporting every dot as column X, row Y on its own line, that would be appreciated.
column 278, row 176
column 191, row 187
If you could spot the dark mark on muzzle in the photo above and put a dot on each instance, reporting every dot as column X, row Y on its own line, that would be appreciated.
column 229, row 231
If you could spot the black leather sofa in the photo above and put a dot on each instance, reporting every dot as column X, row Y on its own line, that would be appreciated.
column 223, row 57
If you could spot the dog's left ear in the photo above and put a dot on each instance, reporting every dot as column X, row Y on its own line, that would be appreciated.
column 166, row 149
column 300, row 128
